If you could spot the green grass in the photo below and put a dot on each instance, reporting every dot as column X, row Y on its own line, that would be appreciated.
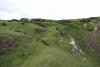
column 29, row 51
column 53, row 57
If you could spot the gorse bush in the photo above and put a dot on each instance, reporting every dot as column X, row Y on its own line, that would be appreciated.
column 37, row 20
column 3, row 24
column 89, row 27
column 85, row 20
column 24, row 20
column 39, row 30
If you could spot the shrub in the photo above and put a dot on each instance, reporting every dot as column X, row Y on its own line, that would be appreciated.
column 39, row 30
column 37, row 20
column 45, row 43
column 89, row 27
column 3, row 24
column 85, row 20
column 57, row 28
column 62, row 33
column 25, row 20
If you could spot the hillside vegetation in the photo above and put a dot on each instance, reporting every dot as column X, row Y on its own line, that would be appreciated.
column 50, row 43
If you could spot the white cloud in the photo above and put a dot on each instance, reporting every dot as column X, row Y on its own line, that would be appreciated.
column 54, row 9
column 6, row 15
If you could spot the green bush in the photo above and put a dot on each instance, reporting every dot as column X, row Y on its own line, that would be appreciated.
column 85, row 20
column 24, row 20
column 39, row 30
column 3, row 24
column 37, row 20
column 89, row 27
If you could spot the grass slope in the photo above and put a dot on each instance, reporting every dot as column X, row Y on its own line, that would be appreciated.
column 45, row 46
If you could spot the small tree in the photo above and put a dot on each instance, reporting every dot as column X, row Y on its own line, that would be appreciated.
column 25, row 20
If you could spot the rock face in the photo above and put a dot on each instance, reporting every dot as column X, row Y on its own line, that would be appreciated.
column 76, row 49
column 91, row 40
column 6, row 43
column 62, row 35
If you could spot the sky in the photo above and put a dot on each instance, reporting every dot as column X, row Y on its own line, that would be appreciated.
column 49, row 9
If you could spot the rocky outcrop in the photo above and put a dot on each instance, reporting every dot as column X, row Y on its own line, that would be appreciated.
column 91, row 40
column 61, row 35
column 76, row 49
column 6, row 43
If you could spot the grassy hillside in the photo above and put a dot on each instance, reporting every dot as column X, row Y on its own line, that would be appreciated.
column 47, row 43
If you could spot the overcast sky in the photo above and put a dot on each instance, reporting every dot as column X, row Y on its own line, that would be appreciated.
column 50, row 9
